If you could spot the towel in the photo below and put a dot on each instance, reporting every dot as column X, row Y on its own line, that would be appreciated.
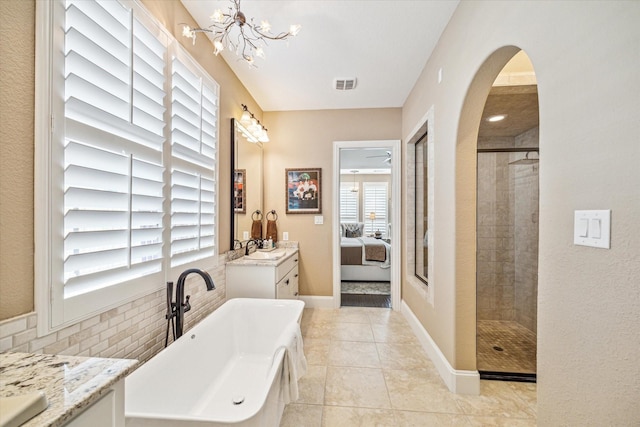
column 294, row 364
column 272, row 230
column 256, row 229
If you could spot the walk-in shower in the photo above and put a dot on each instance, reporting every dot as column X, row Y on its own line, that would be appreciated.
column 507, row 259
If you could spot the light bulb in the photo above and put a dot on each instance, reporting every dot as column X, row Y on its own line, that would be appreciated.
column 294, row 29
column 217, row 44
column 260, row 53
column 217, row 16
column 246, row 117
column 265, row 26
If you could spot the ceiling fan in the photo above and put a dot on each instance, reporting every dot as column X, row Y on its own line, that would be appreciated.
column 387, row 157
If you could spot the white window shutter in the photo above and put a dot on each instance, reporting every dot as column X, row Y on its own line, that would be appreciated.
column 376, row 200
column 194, row 115
column 348, row 202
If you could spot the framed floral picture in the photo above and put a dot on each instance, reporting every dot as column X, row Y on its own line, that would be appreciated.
column 239, row 191
column 304, row 190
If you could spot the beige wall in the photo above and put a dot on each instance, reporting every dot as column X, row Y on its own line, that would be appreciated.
column 302, row 139
column 16, row 140
column 586, row 62
column 17, row 40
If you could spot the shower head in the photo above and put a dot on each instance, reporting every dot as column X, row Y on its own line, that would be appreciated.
column 525, row 161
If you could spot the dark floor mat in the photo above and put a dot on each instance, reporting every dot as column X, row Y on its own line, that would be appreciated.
column 365, row 300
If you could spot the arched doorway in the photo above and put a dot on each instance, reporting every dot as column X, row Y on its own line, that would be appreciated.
column 507, row 225
column 466, row 195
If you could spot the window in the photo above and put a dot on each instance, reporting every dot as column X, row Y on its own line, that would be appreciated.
column 130, row 171
column 375, row 202
column 349, row 202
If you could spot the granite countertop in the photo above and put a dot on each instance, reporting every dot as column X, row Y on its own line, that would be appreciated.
column 265, row 262
column 70, row 383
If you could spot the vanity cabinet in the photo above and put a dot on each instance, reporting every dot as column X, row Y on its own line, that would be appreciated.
column 263, row 279
column 106, row 412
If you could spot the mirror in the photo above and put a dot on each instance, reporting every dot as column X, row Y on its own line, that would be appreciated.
column 246, row 182
column 421, row 229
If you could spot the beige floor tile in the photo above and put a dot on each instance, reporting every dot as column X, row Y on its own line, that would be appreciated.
column 419, row 390
column 316, row 350
column 335, row 416
column 352, row 353
column 430, row 419
column 389, row 318
column 500, row 422
column 298, row 415
column 318, row 314
column 403, row 356
column 317, row 329
column 527, row 392
column 352, row 332
column 359, row 387
column 497, row 399
column 311, row 385
column 351, row 315
column 393, row 332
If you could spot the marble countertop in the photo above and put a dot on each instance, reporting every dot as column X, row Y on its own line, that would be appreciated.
column 70, row 383
column 266, row 262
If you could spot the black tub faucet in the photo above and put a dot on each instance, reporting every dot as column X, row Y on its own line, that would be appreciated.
column 181, row 305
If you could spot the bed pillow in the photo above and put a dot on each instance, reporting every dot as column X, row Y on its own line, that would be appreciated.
column 353, row 229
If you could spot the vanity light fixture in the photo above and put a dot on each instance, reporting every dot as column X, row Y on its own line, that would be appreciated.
column 251, row 128
column 250, row 37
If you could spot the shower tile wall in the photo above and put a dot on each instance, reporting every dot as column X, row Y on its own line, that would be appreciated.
column 507, row 253
column 495, row 259
column 526, row 240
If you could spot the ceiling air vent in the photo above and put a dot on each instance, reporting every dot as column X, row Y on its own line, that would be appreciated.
column 346, row 84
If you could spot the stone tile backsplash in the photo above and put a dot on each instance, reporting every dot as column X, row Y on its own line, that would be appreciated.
column 135, row 330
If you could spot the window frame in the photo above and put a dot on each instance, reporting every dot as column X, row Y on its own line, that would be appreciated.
column 53, row 310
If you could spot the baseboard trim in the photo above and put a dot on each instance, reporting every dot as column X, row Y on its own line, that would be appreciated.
column 311, row 301
column 458, row 381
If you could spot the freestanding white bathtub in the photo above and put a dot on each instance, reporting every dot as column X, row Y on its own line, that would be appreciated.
column 227, row 370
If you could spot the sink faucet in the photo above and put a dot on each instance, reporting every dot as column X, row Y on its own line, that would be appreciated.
column 249, row 242
column 181, row 306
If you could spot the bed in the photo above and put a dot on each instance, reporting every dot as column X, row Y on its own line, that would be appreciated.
column 363, row 258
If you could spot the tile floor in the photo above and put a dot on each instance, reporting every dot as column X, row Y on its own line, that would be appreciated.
column 366, row 368
column 517, row 344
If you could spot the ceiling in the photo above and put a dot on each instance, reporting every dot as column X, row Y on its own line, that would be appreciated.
column 384, row 44
column 519, row 103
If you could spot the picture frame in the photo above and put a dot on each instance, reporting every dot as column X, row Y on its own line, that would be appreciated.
column 304, row 190
column 240, row 191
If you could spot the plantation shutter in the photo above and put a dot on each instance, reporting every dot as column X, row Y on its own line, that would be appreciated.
column 375, row 200
column 114, row 110
column 348, row 202
column 193, row 146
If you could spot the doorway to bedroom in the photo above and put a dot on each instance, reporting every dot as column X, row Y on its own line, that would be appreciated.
column 363, row 274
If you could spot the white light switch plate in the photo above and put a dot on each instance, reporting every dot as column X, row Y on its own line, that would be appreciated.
column 285, row 235
column 592, row 228
column 318, row 219
column 245, row 235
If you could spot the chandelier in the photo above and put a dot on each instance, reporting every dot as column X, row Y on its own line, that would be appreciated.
column 250, row 39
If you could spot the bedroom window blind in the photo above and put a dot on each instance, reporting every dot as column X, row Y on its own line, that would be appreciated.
column 131, row 148
column 376, row 200
column 348, row 203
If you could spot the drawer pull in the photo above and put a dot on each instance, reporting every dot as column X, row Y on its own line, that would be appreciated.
column 295, row 275
column 287, row 282
column 296, row 294
column 295, row 260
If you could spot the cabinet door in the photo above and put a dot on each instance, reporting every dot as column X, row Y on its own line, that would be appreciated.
column 287, row 288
